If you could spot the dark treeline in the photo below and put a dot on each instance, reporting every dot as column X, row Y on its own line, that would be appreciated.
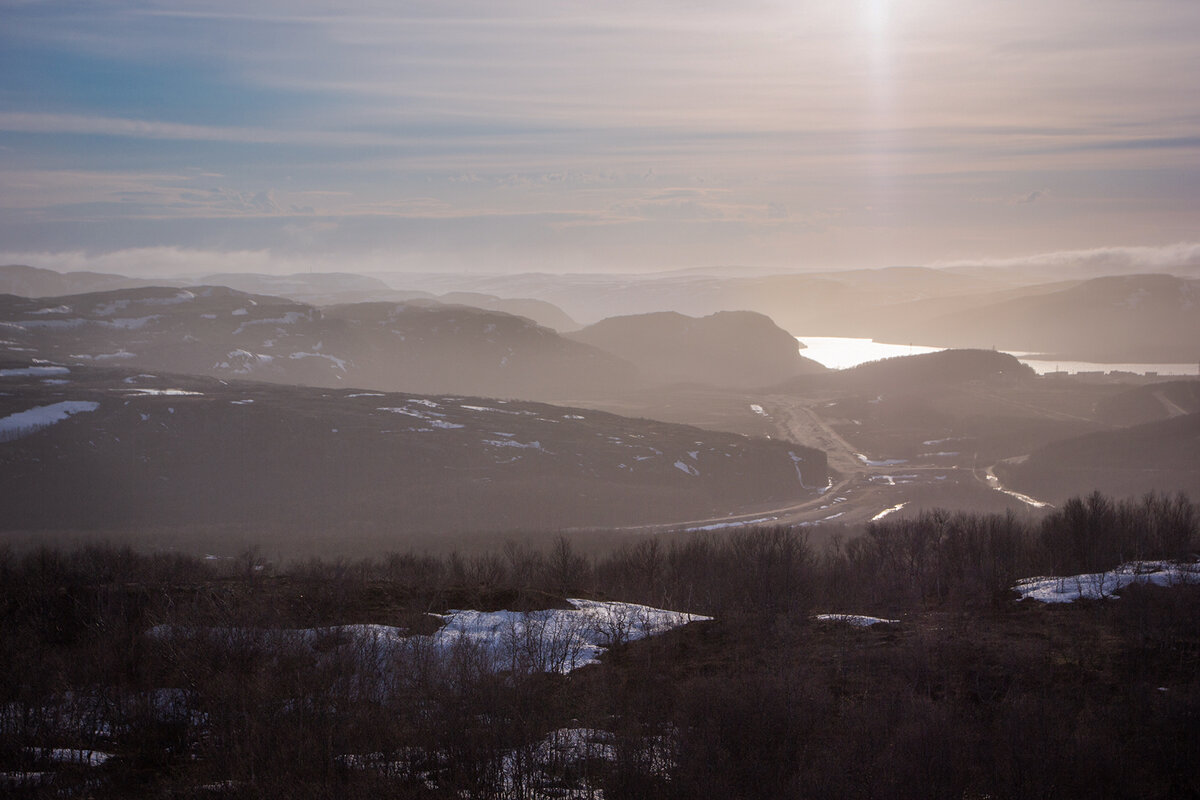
column 191, row 673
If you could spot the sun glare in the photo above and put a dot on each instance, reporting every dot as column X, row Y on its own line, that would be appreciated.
column 875, row 15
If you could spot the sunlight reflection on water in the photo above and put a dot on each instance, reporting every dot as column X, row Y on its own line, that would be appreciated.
column 841, row 352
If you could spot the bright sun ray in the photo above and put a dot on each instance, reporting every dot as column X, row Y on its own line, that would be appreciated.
column 875, row 15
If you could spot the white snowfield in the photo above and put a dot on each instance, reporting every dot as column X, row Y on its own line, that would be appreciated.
column 163, row 393
column 1099, row 585
column 888, row 511
column 23, row 423
column 855, row 620
column 552, row 640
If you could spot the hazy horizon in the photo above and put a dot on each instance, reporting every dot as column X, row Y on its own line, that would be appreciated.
column 189, row 137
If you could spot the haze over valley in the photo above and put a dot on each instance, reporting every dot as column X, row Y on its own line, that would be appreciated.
column 609, row 401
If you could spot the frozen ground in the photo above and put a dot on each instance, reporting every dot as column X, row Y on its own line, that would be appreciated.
column 1095, row 586
column 855, row 620
column 550, row 640
column 23, row 423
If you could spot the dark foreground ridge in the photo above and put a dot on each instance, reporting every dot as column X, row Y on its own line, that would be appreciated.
column 128, row 675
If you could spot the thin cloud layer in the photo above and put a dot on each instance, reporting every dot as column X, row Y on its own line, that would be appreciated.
column 809, row 134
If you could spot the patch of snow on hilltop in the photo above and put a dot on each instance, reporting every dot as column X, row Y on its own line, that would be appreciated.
column 129, row 323
column 339, row 363
column 103, row 356
column 243, row 361
column 688, row 468
column 430, row 417
column 163, row 393
column 23, row 423
column 512, row 443
column 1099, row 585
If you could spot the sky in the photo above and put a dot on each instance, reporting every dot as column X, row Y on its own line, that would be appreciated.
column 190, row 136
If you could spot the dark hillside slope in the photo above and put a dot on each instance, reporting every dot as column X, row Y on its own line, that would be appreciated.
column 344, row 288
column 1151, row 403
column 921, row 373
column 131, row 451
column 729, row 348
column 955, row 404
column 1158, row 456
column 1153, row 318
column 541, row 312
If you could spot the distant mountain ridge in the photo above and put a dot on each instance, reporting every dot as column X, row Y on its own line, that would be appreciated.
column 1152, row 318
column 922, row 372
column 26, row 281
column 1161, row 456
column 312, row 288
column 729, row 348
column 222, row 332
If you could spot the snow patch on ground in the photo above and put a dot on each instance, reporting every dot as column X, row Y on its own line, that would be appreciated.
column 887, row 462
column 1098, row 585
column 103, row 356
column 796, row 462
column 55, row 324
column 23, row 423
column 32, row 371
column 129, row 323
column 429, row 417
column 994, row 482
column 162, row 393
column 243, row 361
column 512, row 443
column 339, row 363
column 66, row 755
column 551, row 640
column 555, row 640
column 856, row 620
column 888, row 511
column 688, row 468
column 718, row 526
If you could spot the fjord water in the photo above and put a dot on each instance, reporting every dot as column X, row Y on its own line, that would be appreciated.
column 842, row 352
